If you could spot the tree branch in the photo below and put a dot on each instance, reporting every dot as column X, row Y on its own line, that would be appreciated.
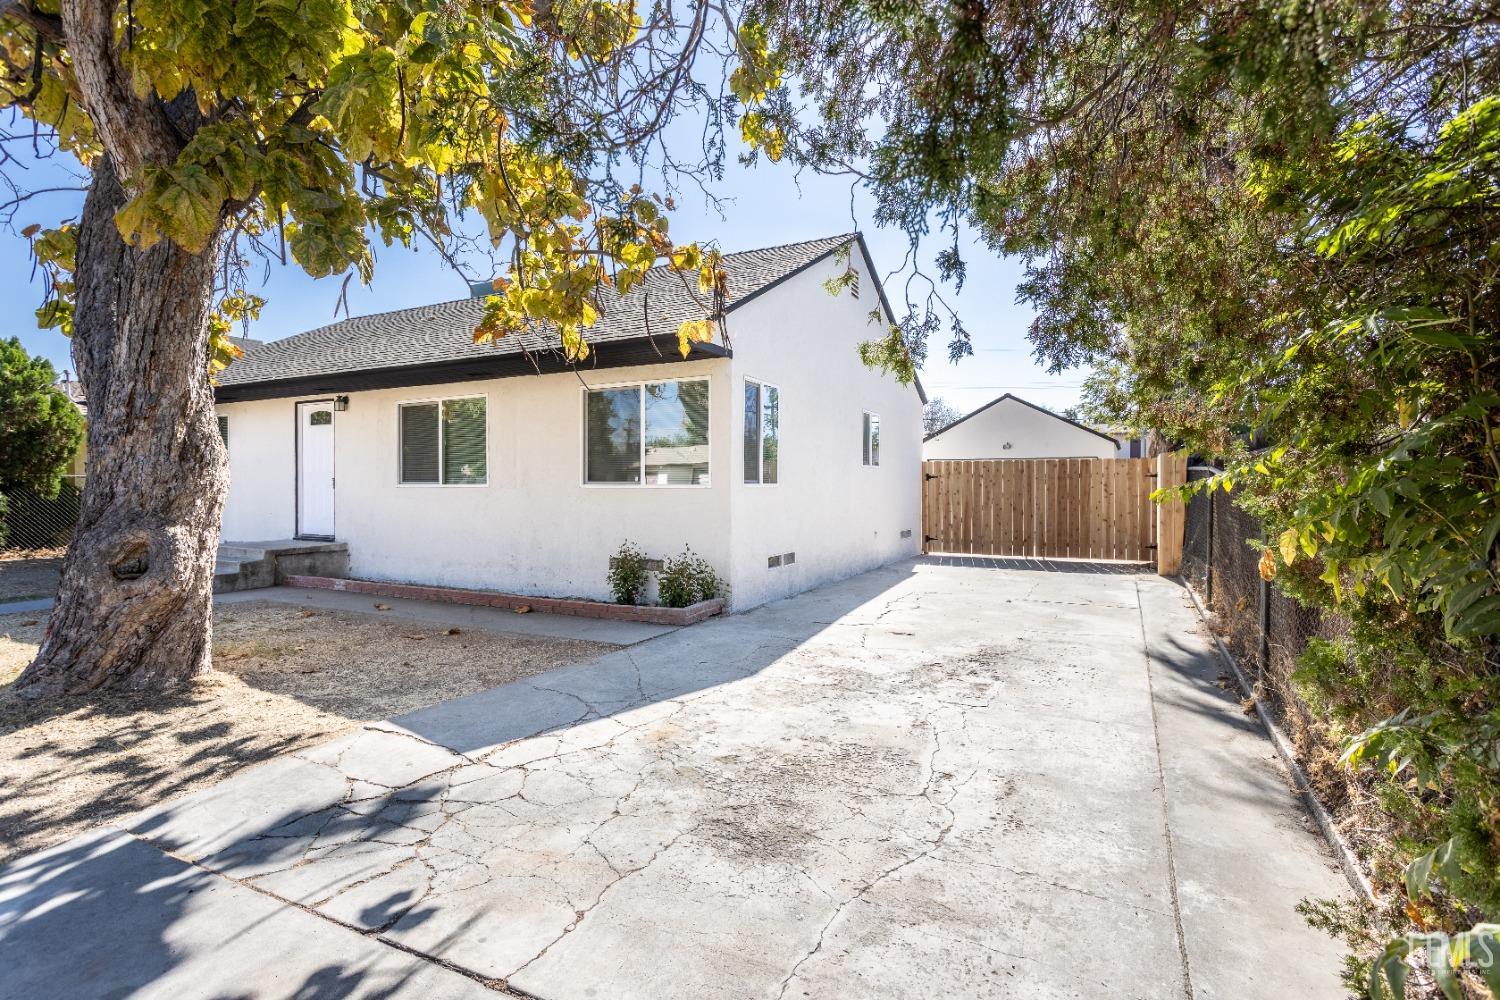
column 135, row 131
column 49, row 26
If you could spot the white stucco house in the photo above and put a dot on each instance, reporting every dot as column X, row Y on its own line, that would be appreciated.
column 773, row 451
column 1010, row 427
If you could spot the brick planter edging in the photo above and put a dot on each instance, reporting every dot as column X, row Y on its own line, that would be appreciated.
column 690, row 615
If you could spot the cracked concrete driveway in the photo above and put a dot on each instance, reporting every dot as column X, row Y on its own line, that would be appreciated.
column 935, row 779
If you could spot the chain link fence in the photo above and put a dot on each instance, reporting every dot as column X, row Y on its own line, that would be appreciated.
column 1266, row 630
column 33, row 521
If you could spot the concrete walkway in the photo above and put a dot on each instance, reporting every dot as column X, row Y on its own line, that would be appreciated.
column 928, row 781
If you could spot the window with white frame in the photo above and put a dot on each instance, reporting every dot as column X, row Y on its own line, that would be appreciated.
column 443, row 442
column 762, row 432
column 872, row 439
column 647, row 434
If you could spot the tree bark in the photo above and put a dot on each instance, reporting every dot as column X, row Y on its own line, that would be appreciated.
column 135, row 603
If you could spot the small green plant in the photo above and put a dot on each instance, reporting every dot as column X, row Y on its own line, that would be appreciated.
column 687, row 579
column 627, row 573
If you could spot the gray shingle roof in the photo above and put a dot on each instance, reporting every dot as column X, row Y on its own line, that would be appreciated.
column 444, row 331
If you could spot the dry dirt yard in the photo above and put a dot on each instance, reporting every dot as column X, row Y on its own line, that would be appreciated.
column 25, row 575
column 285, row 677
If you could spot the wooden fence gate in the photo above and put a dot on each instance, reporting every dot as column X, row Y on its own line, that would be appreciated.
column 1052, row 508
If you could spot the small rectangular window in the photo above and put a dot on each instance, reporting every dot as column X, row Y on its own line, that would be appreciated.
column 770, row 435
column 224, row 430
column 654, row 433
column 444, row 442
column 762, row 432
column 752, row 432
column 871, row 448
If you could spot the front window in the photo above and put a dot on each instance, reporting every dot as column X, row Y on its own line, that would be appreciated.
column 762, row 432
column 652, row 434
column 443, row 442
column 872, row 439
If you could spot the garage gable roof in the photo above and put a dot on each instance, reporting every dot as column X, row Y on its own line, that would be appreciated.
column 1018, row 399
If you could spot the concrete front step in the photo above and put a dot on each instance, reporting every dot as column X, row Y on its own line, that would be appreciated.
column 233, row 553
column 254, row 565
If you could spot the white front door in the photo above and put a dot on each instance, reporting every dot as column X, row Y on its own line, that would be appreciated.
column 315, row 470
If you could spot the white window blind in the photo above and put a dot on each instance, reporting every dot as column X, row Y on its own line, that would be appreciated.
column 443, row 442
column 463, row 441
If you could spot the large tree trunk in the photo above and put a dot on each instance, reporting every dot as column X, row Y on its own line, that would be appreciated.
column 135, row 604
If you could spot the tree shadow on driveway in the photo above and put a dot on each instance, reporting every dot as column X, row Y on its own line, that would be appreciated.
column 147, row 913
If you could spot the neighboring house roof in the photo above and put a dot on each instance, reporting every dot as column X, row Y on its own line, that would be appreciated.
column 690, row 454
column 434, row 344
column 73, row 389
column 1018, row 399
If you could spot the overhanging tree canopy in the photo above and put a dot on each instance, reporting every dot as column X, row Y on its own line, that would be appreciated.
column 1267, row 216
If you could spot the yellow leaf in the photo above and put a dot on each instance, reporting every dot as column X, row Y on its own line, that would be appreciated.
column 133, row 224
column 1288, row 545
column 691, row 330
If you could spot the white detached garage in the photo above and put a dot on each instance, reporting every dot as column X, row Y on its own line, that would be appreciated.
column 773, row 452
column 1010, row 427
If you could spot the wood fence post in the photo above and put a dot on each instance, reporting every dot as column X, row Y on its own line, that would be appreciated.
column 1171, row 516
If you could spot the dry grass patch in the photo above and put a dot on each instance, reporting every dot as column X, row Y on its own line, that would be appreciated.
column 285, row 677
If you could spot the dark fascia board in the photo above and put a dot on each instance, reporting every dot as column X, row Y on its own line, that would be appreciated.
column 631, row 353
column 1023, row 402
column 885, row 303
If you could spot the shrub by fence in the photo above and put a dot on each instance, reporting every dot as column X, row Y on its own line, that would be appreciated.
column 33, row 521
column 1265, row 629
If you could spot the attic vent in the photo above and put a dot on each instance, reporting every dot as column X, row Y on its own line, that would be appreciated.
column 772, row 562
column 789, row 558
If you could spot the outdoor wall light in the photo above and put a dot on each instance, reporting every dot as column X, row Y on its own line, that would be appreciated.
column 341, row 403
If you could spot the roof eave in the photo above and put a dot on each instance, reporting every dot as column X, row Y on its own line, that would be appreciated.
column 633, row 353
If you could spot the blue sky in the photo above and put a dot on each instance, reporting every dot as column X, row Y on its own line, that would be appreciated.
column 764, row 205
